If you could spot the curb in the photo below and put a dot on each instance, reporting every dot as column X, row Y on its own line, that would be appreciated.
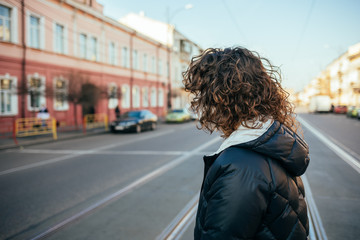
column 48, row 140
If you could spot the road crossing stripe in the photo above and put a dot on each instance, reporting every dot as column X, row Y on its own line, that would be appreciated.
column 79, row 153
column 91, row 152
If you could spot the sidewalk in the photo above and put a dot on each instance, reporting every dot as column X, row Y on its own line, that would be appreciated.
column 8, row 143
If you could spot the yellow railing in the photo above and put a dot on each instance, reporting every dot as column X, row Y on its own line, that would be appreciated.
column 24, row 127
column 95, row 121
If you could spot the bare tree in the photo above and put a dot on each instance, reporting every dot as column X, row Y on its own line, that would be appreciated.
column 74, row 90
column 81, row 91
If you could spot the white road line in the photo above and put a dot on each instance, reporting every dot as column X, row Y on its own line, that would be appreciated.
column 336, row 149
column 92, row 152
column 187, row 223
column 150, row 135
column 79, row 153
column 186, row 216
column 314, row 218
column 346, row 149
column 38, row 164
column 181, row 222
column 120, row 193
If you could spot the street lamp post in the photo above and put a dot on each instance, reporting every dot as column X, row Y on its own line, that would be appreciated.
column 169, row 33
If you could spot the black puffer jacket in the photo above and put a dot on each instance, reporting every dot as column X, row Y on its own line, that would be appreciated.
column 253, row 190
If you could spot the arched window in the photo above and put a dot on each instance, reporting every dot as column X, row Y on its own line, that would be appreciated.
column 125, row 57
column 8, row 97
column 145, row 97
column 145, row 62
column 113, row 96
column 136, row 97
column 153, row 97
column 161, row 97
column 125, row 100
column 160, row 67
column 60, row 94
column 36, row 92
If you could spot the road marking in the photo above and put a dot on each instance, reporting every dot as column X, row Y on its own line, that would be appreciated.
column 79, row 153
column 122, row 192
column 92, row 152
column 346, row 149
column 136, row 139
column 317, row 230
column 181, row 222
column 38, row 164
column 336, row 149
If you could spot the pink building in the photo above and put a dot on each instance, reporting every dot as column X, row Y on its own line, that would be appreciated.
column 51, row 49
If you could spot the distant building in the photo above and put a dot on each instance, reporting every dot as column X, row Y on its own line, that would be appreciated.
column 181, row 50
column 66, row 43
column 340, row 80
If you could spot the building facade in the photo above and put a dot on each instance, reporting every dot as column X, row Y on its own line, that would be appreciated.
column 181, row 50
column 69, row 57
column 340, row 80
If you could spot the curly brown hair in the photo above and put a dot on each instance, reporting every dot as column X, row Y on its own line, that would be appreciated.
column 235, row 86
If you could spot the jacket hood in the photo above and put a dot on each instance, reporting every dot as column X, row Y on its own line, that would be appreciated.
column 275, row 141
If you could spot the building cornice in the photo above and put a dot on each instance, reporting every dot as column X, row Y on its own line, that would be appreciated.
column 108, row 20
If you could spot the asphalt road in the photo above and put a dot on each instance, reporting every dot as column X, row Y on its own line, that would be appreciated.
column 118, row 186
column 144, row 186
column 334, row 183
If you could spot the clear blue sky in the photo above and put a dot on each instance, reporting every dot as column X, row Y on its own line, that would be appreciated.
column 300, row 36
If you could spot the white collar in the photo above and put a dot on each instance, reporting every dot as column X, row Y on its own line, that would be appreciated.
column 244, row 134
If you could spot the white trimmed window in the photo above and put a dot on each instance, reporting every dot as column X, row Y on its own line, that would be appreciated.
column 145, row 96
column 113, row 96
column 135, row 60
column 35, row 30
column 8, row 23
column 153, row 64
column 125, row 57
column 93, row 48
column 83, row 45
column 36, row 92
column 34, row 38
column 145, row 63
column 112, row 53
column 60, row 38
column 160, row 67
column 136, row 96
column 153, row 97
column 161, row 97
column 125, row 99
column 60, row 94
column 8, row 97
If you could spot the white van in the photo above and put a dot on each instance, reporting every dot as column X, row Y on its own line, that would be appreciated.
column 320, row 103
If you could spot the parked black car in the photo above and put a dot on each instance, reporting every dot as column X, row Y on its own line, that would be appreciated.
column 135, row 121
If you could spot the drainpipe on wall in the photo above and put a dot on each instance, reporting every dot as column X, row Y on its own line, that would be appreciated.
column 23, row 62
column 131, row 70
column 168, row 66
column 157, row 78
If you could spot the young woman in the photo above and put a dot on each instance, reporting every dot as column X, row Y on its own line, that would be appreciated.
column 252, row 187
